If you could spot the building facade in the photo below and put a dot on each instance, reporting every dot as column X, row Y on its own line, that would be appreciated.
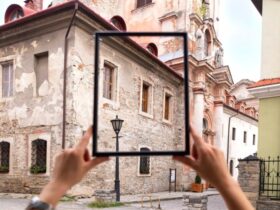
column 36, row 59
column 268, row 88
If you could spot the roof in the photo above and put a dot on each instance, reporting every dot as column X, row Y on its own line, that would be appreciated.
column 265, row 82
column 107, row 25
column 259, row 5
column 239, row 112
column 241, row 82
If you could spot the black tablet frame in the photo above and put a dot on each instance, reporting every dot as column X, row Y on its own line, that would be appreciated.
column 98, row 36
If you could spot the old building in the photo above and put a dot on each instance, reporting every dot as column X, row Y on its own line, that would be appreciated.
column 37, row 55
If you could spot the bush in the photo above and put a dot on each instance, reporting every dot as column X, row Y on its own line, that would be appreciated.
column 197, row 180
column 35, row 169
column 4, row 169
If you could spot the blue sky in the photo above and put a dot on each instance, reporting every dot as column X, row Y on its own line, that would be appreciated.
column 239, row 32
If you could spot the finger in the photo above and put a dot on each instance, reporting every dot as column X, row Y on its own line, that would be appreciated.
column 189, row 160
column 82, row 144
column 197, row 139
column 96, row 161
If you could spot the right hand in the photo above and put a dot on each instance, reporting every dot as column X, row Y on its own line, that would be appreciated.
column 208, row 161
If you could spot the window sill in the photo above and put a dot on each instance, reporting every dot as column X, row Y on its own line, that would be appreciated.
column 144, row 175
column 144, row 114
column 114, row 104
column 142, row 7
column 167, row 122
column 6, row 99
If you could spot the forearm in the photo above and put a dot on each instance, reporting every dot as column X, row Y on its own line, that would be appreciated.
column 52, row 193
column 234, row 196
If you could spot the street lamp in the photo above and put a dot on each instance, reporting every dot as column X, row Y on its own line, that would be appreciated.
column 117, row 125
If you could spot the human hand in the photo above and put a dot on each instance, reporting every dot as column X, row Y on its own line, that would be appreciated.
column 208, row 161
column 71, row 165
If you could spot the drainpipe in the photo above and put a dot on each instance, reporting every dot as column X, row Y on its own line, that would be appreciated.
column 229, row 121
column 65, row 74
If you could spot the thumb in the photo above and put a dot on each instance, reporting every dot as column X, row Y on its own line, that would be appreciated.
column 96, row 161
column 189, row 160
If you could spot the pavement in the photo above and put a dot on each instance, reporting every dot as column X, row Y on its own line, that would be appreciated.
column 168, row 201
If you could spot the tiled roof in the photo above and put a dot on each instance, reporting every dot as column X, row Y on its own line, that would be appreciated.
column 265, row 82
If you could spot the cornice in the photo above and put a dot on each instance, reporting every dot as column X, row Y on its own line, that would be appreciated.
column 267, row 91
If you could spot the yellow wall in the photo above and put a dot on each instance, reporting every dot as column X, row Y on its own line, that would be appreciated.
column 269, row 127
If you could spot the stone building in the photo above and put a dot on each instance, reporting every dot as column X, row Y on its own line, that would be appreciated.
column 37, row 56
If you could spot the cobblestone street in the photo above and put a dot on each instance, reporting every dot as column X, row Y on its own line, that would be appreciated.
column 215, row 202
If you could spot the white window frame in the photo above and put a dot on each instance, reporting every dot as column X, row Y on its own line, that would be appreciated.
column 138, row 166
column 171, row 105
column 4, row 60
column 47, row 138
column 115, row 100
column 10, row 140
column 150, row 113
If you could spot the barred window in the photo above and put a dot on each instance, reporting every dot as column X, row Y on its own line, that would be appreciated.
column 4, row 157
column 144, row 168
column 39, row 157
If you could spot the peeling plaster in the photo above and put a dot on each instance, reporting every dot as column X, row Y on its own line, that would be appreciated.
column 24, row 81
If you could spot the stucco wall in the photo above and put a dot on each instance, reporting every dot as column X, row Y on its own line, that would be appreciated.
column 269, row 127
column 270, row 39
column 237, row 148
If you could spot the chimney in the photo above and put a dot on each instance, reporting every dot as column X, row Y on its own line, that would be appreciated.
column 36, row 5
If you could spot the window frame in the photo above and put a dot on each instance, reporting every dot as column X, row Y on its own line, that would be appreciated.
column 245, row 137
column 233, row 133
column 9, row 156
column 10, row 140
column 44, row 136
column 139, row 161
column 2, row 63
column 150, row 105
column 137, row 6
column 171, row 105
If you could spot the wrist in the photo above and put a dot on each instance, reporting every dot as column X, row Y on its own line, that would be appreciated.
column 52, row 192
column 228, row 184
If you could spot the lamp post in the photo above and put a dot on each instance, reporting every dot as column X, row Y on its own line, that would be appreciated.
column 117, row 125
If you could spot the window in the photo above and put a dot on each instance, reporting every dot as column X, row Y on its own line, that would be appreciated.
column 167, row 106
column 144, row 166
column 233, row 133
column 207, row 43
column 254, row 139
column 231, row 166
column 152, row 48
column 145, row 97
column 245, row 137
column 119, row 23
column 41, row 71
column 141, row 3
column 204, row 124
column 108, row 81
column 39, row 156
column 16, row 14
column 4, row 157
column 7, row 80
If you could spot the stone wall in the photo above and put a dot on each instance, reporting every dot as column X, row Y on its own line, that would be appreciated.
column 249, row 175
column 195, row 202
column 268, row 205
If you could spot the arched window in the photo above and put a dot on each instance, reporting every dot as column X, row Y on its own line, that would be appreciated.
column 144, row 165
column 4, row 157
column 152, row 48
column 231, row 165
column 119, row 23
column 16, row 14
column 39, row 156
column 207, row 43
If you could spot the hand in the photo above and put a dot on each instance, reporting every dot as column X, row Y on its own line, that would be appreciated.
column 208, row 161
column 71, row 165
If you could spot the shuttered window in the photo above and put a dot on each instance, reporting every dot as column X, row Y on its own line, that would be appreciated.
column 144, row 167
column 145, row 97
column 108, row 82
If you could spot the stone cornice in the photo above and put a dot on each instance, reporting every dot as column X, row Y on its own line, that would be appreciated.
column 267, row 91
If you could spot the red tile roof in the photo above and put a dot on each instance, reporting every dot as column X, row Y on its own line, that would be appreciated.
column 265, row 82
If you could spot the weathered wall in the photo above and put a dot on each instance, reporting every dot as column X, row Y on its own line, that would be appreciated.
column 26, row 116
column 136, row 128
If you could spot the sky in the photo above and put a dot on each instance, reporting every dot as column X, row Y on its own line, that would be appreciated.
column 239, row 32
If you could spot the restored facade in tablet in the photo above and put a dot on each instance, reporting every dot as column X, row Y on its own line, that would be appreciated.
column 143, row 81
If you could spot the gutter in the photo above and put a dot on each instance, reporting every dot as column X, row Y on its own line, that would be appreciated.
column 65, row 73
column 229, row 121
